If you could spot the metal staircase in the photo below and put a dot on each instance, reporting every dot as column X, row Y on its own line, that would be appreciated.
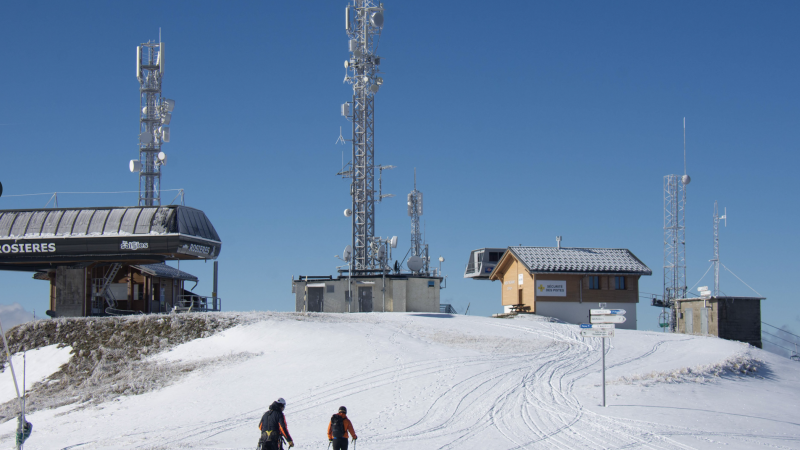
column 101, row 295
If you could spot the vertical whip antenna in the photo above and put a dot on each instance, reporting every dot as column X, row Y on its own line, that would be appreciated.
column 684, row 145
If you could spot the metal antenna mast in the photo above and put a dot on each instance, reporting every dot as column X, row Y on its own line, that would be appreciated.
column 414, row 211
column 156, row 113
column 717, row 218
column 675, row 238
column 363, row 23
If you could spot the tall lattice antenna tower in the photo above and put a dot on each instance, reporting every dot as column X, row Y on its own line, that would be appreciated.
column 156, row 113
column 414, row 211
column 363, row 23
column 675, row 237
column 717, row 218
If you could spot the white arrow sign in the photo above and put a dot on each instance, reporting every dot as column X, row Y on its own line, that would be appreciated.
column 607, row 319
column 597, row 332
column 597, row 325
column 605, row 312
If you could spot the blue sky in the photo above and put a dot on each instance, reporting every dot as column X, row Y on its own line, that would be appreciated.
column 524, row 122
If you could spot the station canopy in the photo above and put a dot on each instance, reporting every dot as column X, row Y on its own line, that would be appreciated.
column 39, row 239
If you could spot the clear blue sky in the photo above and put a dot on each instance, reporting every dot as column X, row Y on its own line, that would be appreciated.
column 524, row 122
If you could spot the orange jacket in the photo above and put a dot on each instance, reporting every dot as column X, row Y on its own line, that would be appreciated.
column 348, row 426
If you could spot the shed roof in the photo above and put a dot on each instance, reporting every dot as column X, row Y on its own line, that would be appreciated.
column 165, row 271
column 576, row 260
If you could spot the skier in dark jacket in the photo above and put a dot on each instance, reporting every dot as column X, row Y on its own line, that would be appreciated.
column 338, row 429
column 273, row 427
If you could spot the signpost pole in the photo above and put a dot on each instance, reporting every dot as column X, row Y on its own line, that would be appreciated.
column 604, row 372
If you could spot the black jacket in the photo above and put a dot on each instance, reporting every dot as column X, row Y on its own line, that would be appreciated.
column 273, row 424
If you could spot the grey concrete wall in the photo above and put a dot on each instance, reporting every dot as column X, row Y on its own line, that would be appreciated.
column 399, row 295
column 70, row 292
column 420, row 297
column 572, row 312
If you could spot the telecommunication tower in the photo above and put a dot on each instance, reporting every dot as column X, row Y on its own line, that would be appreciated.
column 675, row 238
column 363, row 24
column 717, row 218
column 156, row 113
column 419, row 249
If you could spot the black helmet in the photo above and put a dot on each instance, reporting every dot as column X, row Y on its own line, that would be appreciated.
column 343, row 409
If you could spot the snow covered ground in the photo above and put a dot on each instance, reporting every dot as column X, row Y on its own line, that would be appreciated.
column 37, row 365
column 433, row 381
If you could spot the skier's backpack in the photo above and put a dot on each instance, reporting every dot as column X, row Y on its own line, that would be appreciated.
column 270, row 426
column 337, row 426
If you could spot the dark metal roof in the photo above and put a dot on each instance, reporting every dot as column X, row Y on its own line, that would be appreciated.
column 579, row 260
column 165, row 271
column 106, row 221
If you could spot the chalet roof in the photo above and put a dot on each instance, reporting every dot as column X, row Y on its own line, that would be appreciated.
column 578, row 260
column 105, row 222
column 165, row 271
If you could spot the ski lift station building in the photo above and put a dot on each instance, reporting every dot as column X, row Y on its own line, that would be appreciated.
column 565, row 283
column 110, row 260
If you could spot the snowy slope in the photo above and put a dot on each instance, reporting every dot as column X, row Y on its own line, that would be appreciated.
column 37, row 365
column 438, row 381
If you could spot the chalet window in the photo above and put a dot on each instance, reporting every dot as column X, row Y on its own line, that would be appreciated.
column 330, row 288
column 594, row 282
column 495, row 256
column 619, row 283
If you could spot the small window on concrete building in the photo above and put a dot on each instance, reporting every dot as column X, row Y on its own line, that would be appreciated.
column 619, row 283
column 594, row 282
column 495, row 256
column 329, row 288
column 431, row 284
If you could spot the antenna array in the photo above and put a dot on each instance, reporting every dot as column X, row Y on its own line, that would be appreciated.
column 418, row 247
column 363, row 23
column 675, row 238
column 156, row 113
column 717, row 218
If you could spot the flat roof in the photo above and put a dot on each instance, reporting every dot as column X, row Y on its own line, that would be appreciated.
column 721, row 297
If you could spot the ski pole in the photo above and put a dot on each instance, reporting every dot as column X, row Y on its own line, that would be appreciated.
column 329, row 444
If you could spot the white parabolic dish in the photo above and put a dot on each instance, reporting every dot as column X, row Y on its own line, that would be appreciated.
column 414, row 263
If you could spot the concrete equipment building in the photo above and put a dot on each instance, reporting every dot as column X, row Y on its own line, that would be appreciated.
column 391, row 293
column 733, row 318
column 565, row 283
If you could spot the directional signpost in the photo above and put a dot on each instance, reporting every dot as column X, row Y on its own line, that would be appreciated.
column 602, row 326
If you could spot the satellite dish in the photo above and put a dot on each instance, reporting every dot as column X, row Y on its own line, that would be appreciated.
column 415, row 263
column 135, row 166
column 348, row 213
column 162, row 156
column 144, row 110
column 374, row 88
column 393, row 241
column 686, row 179
column 145, row 137
column 346, row 64
column 441, row 259
column 379, row 80
column 377, row 19
column 168, row 104
column 347, row 253
column 166, row 118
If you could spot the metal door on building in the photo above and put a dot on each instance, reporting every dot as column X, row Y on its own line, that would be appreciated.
column 704, row 320
column 365, row 299
column 688, row 319
column 315, row 299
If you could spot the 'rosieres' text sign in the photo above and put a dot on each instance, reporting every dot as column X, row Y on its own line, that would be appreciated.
column 42, row 247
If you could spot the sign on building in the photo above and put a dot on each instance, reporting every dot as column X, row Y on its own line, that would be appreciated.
column 551, row 288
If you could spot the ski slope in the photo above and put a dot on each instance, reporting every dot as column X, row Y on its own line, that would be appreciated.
column 433, row 381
